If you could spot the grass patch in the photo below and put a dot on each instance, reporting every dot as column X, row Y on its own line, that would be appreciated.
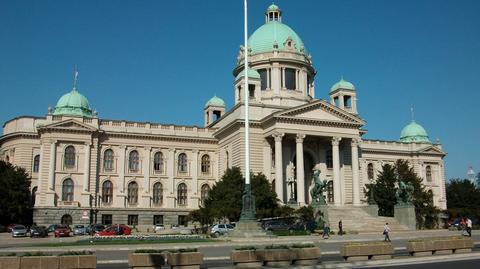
column 36, row 253
column 120, row 241
column 12, row 254
column 289, row 233
column 277, row 247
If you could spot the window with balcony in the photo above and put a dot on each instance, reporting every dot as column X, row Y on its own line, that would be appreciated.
column 182, row 194
column 132, row 193
column 157, row 193
column 107, row 192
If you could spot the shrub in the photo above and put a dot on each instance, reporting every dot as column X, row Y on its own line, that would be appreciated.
column 76, row 253
column 37, row 253
column 306, row 245
column 246, row 248
column 277, row 247
column 149, row 251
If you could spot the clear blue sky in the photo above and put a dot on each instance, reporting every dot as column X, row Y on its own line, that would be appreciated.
column 160, row 61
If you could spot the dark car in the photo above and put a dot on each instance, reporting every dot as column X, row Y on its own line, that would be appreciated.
column 62, row 231
column 94, row 228
column 52, row 228
column 38, row 231
column 275, row 225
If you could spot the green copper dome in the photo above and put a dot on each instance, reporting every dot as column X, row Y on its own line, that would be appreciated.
column 342, row 84
column 251, row 74
column 414, row 133
column 273, row 7
column 73, row 104
column 215, row 101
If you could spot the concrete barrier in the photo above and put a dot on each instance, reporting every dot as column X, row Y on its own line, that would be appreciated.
column 363, row 251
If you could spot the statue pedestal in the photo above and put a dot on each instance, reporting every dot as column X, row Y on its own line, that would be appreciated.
column 405, row 214
column 372, row 210
column 320, row 212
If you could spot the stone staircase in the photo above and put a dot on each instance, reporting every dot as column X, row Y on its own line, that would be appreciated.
column 357, row 219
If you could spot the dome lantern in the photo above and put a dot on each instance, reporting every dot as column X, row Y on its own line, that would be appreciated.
column 273, row 14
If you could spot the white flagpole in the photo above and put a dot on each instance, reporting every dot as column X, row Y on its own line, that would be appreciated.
column 246, row 93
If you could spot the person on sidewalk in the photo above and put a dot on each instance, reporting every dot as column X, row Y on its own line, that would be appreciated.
column 326, row 231
column 386, row 231
column 468, row 223
column 340, row 228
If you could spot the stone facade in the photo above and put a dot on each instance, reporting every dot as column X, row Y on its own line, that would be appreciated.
column 85, row 168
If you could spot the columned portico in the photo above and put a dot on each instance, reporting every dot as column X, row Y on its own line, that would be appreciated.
column 337, row 193
column 278, row 166
column 300, row 172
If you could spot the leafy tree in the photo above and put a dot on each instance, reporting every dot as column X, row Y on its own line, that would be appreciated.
column 15, row 197
column 384, row 191
column 463, row 199
column 225, row 198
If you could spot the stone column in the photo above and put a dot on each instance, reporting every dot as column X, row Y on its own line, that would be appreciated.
column 194, row 198
column 300, row 171
column 86, row 175
column 171, row 180
column 355, row 172
column 276, row 78
column 341, row 101
column 121, row 168
column 278, row 166
column 51, row 170
column 40, row 177
column 283, row 79
column 337, row 195
column 146, row 169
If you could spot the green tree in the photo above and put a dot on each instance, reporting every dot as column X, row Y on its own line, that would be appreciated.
column 224, row 200
column 384, row 191
column 463, row 199
column 425, row 212
column 15, row 197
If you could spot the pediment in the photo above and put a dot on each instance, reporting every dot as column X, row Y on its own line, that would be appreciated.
column 431, row 150
column 320, row 110
column 69, row 124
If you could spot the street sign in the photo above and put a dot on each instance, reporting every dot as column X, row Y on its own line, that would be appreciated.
column 85, row 214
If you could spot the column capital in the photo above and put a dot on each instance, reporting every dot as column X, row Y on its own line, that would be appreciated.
column 278, row 137
column 336, row 140
column 300, row 138
column 355, row 142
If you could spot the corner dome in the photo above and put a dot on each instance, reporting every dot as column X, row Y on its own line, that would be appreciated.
column 215, row 101
column 414, row 133
column 252, row 73
column 274, row 34
column 73, row 104
column 342, row 84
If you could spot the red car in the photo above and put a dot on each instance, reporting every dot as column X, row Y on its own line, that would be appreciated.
column 117, row 229
column 62, row 231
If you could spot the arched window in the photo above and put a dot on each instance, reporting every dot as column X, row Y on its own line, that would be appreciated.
column 34, row 195
column 428, row 171
column 67, row 190
column 132, row 193
column 370, row 171
column 108, row 160
column 204, row 193
column 157, row 193
column 158, row 162
column 133, row 161
column 329, row 159
column 182, row 194
column 206, row 164
column 69, row 158
column 36, row 163
column 107, row 192
column 182, row 163
column 330, row 192
column 66, row 219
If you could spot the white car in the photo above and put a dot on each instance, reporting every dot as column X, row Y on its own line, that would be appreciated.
column 19, row 230
column 158, row 227
column 221, row 229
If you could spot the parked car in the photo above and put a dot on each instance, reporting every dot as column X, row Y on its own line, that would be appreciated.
column 52, row 228
column 158, row 227
column 275, row 225
column 62, row 230
column 19, row 230
column 221, row 229
column 116, row 229
column 38, row 231
column 10, row 226
column 79, row 229
column 93, row 228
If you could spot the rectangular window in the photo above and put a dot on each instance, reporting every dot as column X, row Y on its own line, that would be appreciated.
column 290, row 79
column 182, row 221
column 263, row 79
column 132, row 220
column 251, row 91
column 106, row 219
column 157, row 219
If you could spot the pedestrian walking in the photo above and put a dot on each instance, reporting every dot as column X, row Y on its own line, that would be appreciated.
column 469, row 227
column 340, row 228
column 386, row 231
column 326, row 231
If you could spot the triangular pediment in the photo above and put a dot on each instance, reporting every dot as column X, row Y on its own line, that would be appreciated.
column 320, row 110
column 69, row 124
column 431, row 150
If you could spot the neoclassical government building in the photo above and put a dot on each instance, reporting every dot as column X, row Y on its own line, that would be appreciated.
column 85, row 168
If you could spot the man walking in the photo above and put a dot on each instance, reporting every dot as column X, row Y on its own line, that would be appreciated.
column 386, row 231
column 340, row 228
column 469, row 227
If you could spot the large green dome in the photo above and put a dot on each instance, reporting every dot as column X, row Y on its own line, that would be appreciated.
column 73, row 104
column 415, row 133
column 271, row 33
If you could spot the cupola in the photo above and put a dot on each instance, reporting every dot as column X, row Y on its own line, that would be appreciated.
column 214, row 110
column 343, row 95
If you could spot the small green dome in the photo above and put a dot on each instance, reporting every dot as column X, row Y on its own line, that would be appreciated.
column 414, row 133
column 73, row 104
column 273, row 7
column 252, row 73
column 215, row 101
column 342, row 84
